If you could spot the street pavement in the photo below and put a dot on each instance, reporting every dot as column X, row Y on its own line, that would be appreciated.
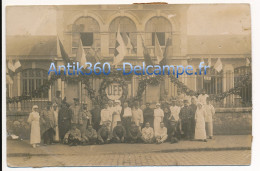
column 222, row 150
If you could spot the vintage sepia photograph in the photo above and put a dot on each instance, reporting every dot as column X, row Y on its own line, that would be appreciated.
column 151, row 84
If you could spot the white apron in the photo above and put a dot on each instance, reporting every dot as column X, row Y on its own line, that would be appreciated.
column 34, row 120
column 200, row 131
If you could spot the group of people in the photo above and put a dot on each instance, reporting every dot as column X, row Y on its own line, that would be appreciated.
column 186, row 117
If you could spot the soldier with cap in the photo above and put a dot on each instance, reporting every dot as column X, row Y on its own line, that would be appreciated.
column 193, row 108
column 119, row 133
column 47, row 124
column 89, row 136
column 175, row 111
column 134, row 134
column 76, row 117
column 148, row 114
column 104, row 133
column 86, row 117
column 73, row 136
column 64, row 120
column 186, row 118
column 95, row 112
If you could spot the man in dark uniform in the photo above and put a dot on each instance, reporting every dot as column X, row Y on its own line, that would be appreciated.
column 134, row 134
column 64, row 119
column 193, row 108
column 95, row 112
column 104, row 134
column 148, row 114
column 185, row 116
column 119, row 133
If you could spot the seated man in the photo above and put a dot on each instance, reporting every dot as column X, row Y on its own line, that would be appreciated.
column 119, row 133
column 172, row 131
column 161, row 134
column 90, row 135
column 134, row 134
column 147, row 134
column 104, row 133
column 73, row 136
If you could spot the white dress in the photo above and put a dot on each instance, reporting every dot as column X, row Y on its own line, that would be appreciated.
column 116, row 115
column 200, row 131
column 56, row 136
column 158, row 118
column 34, row 120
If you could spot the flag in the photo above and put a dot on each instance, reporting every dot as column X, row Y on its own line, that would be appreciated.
column 147, row 57
column 247, row 62
column 120, row 48
column 158, row 51
column 11, row 66
column 218, row 65
column 128, row 43
column 17, row 66
column 166, row 51
column 81, row 56
column 64, row 55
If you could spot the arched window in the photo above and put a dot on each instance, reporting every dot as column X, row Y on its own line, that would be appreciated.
column 32, row 79
column 127, row 28
column 87, row 30
column 159, row 26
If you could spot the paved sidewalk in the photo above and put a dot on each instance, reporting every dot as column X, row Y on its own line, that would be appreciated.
column 222, row 150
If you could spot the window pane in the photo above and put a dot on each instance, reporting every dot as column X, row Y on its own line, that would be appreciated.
column 87, row 38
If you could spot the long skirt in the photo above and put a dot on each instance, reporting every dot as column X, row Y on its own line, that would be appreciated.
column 35, row 136
column 156, row 123
column 200, row 132
column 209, row 126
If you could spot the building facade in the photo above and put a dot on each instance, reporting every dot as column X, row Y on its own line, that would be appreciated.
column 96, row 27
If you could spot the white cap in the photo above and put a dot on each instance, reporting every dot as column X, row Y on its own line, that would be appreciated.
column 35, row 107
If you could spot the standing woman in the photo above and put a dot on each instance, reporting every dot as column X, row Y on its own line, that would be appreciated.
column 34, row 120
column 200, row 131
column 56, row 117
column 158, row 117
